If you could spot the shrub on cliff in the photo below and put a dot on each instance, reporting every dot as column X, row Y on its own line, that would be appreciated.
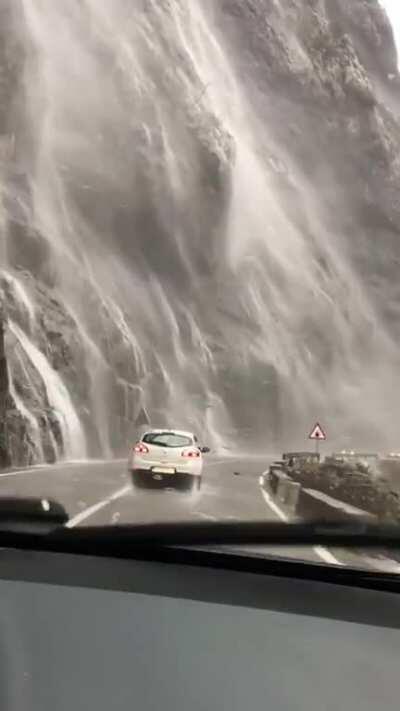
column 352, row 484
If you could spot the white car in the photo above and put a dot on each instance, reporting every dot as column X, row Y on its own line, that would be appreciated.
column 167, row 458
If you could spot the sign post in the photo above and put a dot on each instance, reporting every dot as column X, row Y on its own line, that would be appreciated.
column 317, row 434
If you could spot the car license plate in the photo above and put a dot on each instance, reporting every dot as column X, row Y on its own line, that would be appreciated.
column 163, row 470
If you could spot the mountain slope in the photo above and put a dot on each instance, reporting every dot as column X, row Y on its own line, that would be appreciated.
column 200, row 221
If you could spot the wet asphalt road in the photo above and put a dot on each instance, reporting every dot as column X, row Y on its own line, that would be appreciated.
column 100, row 493
column 83, row 486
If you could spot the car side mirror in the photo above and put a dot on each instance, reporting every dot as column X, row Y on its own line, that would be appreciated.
column 205, row 450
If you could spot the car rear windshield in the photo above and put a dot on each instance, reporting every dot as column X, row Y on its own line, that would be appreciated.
column 167, row 439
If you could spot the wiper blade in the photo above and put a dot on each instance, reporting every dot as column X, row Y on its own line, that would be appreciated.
column 126, row 540
column 31, row 515
column 265, row 533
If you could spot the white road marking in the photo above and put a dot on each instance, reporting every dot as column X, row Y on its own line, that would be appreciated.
column 274, row 507
column 97, row 507
column 384, row 565
column 31, row 470
column 326, row 555
column 59, row 466
column 320, row 551
column 208, row 517
column 387, row 565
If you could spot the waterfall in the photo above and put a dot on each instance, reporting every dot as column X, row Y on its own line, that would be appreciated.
column 197, row 190
column 33, row 423
column 393, row 11
column 58, row 397
column 22, row 297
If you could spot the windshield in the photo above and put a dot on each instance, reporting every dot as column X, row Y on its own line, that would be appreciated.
column 167, row 439
column 199, row 262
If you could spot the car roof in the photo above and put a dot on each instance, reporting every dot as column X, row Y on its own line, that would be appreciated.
column 170, row 431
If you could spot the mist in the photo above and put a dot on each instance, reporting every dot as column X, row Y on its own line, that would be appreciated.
column 205, row 212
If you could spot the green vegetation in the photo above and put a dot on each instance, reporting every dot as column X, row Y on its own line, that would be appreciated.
column 353, row 484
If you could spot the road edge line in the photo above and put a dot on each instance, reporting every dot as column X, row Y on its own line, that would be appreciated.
column 60, row 464
column 320, row 551
column 275, row 508
column 78, row 518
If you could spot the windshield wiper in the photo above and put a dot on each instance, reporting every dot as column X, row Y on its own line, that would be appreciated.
column 31, row 515
column 360, row 534
column 24, row 523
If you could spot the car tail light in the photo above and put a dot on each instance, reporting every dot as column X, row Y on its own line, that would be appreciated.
column 191, row 453
column 141, row 448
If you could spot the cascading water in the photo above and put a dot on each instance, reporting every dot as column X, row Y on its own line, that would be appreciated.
column 200, row 222
column 31, row 419
column 58, row 397
column 22, row 298
column 393, row 11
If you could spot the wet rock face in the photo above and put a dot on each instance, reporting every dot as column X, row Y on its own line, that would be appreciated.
column 16, row 444
column 185, row 304
column 301, row 41
column 30, row 427
column 38, row 312
column 11, row 62
column 325, row 76
column 4, row 453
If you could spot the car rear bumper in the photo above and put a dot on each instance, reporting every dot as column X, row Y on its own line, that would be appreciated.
column 181, row 465
column 145, row 478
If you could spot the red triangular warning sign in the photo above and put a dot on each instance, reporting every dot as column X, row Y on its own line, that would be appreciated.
column 317, row 432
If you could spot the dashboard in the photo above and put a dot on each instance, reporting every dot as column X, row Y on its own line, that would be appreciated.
column 82, row 633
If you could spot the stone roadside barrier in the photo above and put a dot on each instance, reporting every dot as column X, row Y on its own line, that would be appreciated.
column 307, row 504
